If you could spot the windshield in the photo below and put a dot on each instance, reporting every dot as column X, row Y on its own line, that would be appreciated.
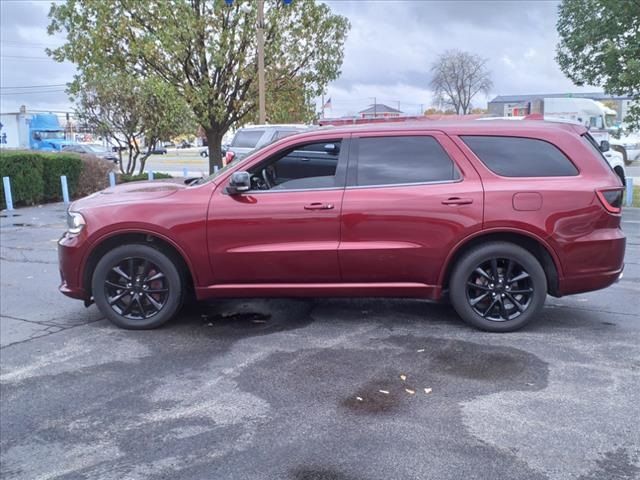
column 610, row 120
column 227, row 167
column 52, row 135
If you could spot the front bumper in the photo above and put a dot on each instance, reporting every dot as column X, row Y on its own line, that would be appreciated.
column 70, row 256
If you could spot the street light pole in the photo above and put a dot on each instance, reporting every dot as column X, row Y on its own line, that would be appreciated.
column 261, row 88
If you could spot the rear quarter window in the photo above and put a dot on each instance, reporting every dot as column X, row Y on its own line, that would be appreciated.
column 247, row 138
column 520, row 157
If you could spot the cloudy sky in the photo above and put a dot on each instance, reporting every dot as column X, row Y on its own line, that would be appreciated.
column 387, row 55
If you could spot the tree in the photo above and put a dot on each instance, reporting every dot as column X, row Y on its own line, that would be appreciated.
column 458, row 77
column 600, row 45
column 288, row 102
column 205, row 50
column 130, row 112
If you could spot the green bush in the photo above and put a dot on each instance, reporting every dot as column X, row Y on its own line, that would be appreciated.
column 142, row 176
column 35, row 176
column 26, row 172
column 55, row 165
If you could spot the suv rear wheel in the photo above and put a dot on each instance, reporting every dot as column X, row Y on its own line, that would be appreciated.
column 498, row 287
column 137, row 287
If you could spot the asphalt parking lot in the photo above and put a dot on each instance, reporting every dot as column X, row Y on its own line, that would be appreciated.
column 294, row 389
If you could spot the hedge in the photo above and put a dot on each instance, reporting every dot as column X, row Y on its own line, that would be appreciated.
column 142, row 176
column 35, row 176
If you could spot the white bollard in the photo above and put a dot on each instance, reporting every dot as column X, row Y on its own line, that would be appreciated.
column 8, row 198
column 628, row 201
column 112, row 179
column 185, row 172
column 65, row 189
column 150, row 174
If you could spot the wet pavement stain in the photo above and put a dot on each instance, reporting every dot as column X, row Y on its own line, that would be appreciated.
column 369, row 400
column 616, row 465
column 319, row 474
column 469, row 360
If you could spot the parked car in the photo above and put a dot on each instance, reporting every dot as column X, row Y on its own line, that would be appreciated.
column 205, row 152
column 184, row 144
column 159, row 150
column 92, row 149
column 492, row 215
column 248, row 139
column 630, row 145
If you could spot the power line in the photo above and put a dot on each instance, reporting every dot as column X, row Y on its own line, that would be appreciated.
column 35, row 86
column 32, row 92
column 29, row 44
column 25, row 57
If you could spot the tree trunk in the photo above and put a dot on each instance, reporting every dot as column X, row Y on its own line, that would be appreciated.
column 214, row 141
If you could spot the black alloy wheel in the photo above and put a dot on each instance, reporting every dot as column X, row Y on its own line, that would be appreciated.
column 137, row 286
column 498, row 287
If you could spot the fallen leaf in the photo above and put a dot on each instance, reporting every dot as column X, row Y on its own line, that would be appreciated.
column 421, row 350
column 403, row 377
column 409, row 391
column 428, row 390
column 359, row 399
column 386, row 392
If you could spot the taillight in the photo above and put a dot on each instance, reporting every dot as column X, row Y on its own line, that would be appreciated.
column 611, row 199
column 228, row 158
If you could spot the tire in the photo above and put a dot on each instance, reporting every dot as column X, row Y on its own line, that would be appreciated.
column 487, row 300
column 144, row 304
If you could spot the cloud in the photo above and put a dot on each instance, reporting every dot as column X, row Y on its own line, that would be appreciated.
column 388, row 53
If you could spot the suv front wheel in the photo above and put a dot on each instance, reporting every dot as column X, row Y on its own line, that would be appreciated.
column 137, row 287
column 498, row 287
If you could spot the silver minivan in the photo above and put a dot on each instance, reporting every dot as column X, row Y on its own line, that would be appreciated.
column 251, row 138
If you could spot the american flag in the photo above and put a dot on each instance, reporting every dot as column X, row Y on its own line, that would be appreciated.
column 327, row 104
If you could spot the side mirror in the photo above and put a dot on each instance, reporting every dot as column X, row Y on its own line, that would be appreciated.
column 332, row 149
column 37, row 136
column 240, row 182
column 604, row 146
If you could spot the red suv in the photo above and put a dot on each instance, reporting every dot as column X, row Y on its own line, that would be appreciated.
column 495, row 214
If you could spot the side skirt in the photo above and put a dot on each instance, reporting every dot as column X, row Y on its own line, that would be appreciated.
column 397, row 290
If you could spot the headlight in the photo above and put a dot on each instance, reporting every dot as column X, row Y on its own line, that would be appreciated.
column 75, row 222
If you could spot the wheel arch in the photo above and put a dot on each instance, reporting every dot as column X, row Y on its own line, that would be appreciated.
column 152, row 239
column 539, row 249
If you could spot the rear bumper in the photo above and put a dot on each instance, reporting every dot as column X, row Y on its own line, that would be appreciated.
column 593, row 261
column 589, row 283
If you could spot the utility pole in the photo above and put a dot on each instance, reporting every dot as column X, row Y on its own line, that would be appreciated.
column 375, row 108
column 262, row 116
column 322, row 106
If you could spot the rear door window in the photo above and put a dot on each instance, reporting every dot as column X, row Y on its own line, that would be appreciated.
column 402, row 160
column 520, row 157
column 247, row 138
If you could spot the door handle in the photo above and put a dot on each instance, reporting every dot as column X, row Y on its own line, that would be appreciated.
column 318, row 206
column 457, row 201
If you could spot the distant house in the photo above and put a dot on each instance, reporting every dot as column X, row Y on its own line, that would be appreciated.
column 379, row 110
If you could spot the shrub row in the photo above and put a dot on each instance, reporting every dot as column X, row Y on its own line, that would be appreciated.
column 142, row 176
column 35, row 176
